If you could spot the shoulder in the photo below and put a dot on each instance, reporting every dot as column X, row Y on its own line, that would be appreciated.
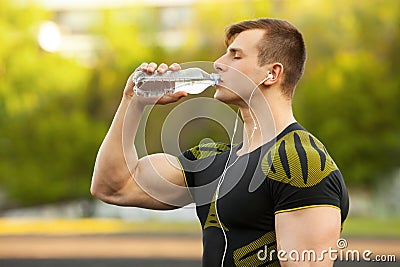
column 298, row 158
column 206, row 150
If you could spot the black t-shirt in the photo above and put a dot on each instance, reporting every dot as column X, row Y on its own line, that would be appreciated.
column 294, row 171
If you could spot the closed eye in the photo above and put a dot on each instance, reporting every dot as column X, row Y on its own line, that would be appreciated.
column 235, row 52
column 236, row 57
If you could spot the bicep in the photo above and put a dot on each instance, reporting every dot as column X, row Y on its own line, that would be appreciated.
column 310, row 229
column 157, row 182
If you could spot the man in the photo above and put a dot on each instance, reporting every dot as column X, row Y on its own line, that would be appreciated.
column 278, row 190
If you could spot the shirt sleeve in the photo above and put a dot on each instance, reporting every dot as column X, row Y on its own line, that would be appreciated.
column 327, row 192
column 200, row 158
column 186, row 160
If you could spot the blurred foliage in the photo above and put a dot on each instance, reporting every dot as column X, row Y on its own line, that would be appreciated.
column 372, row 227
column 55, row 111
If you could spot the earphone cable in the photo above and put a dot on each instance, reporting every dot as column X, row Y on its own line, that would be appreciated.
column 226, row 167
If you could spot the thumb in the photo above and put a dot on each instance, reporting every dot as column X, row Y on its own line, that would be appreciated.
column 128, row 91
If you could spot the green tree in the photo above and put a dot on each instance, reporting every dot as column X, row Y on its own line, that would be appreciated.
column 350, row 89
column 48, row 143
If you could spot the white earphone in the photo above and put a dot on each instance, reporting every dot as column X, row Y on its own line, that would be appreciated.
column 269, row 76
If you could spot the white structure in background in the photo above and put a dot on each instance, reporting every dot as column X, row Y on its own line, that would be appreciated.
column 78, row 209
column 187, row 213
column 69, row 32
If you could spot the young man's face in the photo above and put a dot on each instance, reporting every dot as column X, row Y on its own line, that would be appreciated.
column 239, row 68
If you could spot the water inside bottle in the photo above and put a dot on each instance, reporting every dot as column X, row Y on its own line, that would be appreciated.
column 154, row 88
column 193, row 87
column 159, row 88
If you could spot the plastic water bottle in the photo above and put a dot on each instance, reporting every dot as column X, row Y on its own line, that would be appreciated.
column 191, row 81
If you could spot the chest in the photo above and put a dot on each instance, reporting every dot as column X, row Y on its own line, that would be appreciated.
column 235, row 195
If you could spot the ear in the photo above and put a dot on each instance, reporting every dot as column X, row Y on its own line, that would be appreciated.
column 274, row 75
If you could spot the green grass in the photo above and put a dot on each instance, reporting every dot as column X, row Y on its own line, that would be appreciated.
column 372, row 227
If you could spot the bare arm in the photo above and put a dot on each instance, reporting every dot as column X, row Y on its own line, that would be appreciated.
column 307, row 231
column 120, row 177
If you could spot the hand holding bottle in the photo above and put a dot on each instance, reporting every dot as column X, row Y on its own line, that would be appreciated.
column 151, row 69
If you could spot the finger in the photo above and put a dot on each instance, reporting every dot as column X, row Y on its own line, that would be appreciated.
column 128, row 90
column 171, row 98
column 180, row 94
column 174, row 66
column 151, row 67
column 142, row 66
column 162, row 68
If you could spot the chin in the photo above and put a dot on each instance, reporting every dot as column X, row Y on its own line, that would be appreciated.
column 220, row 94
column 224, row 95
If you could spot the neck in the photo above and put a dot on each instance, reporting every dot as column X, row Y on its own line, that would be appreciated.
column 264, row 121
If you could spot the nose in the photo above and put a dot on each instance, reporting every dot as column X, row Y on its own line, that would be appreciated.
column 219, row 66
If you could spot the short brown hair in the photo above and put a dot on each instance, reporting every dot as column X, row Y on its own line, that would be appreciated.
column 281, row 43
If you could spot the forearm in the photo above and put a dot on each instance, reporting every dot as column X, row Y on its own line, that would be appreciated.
column 117, row 157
